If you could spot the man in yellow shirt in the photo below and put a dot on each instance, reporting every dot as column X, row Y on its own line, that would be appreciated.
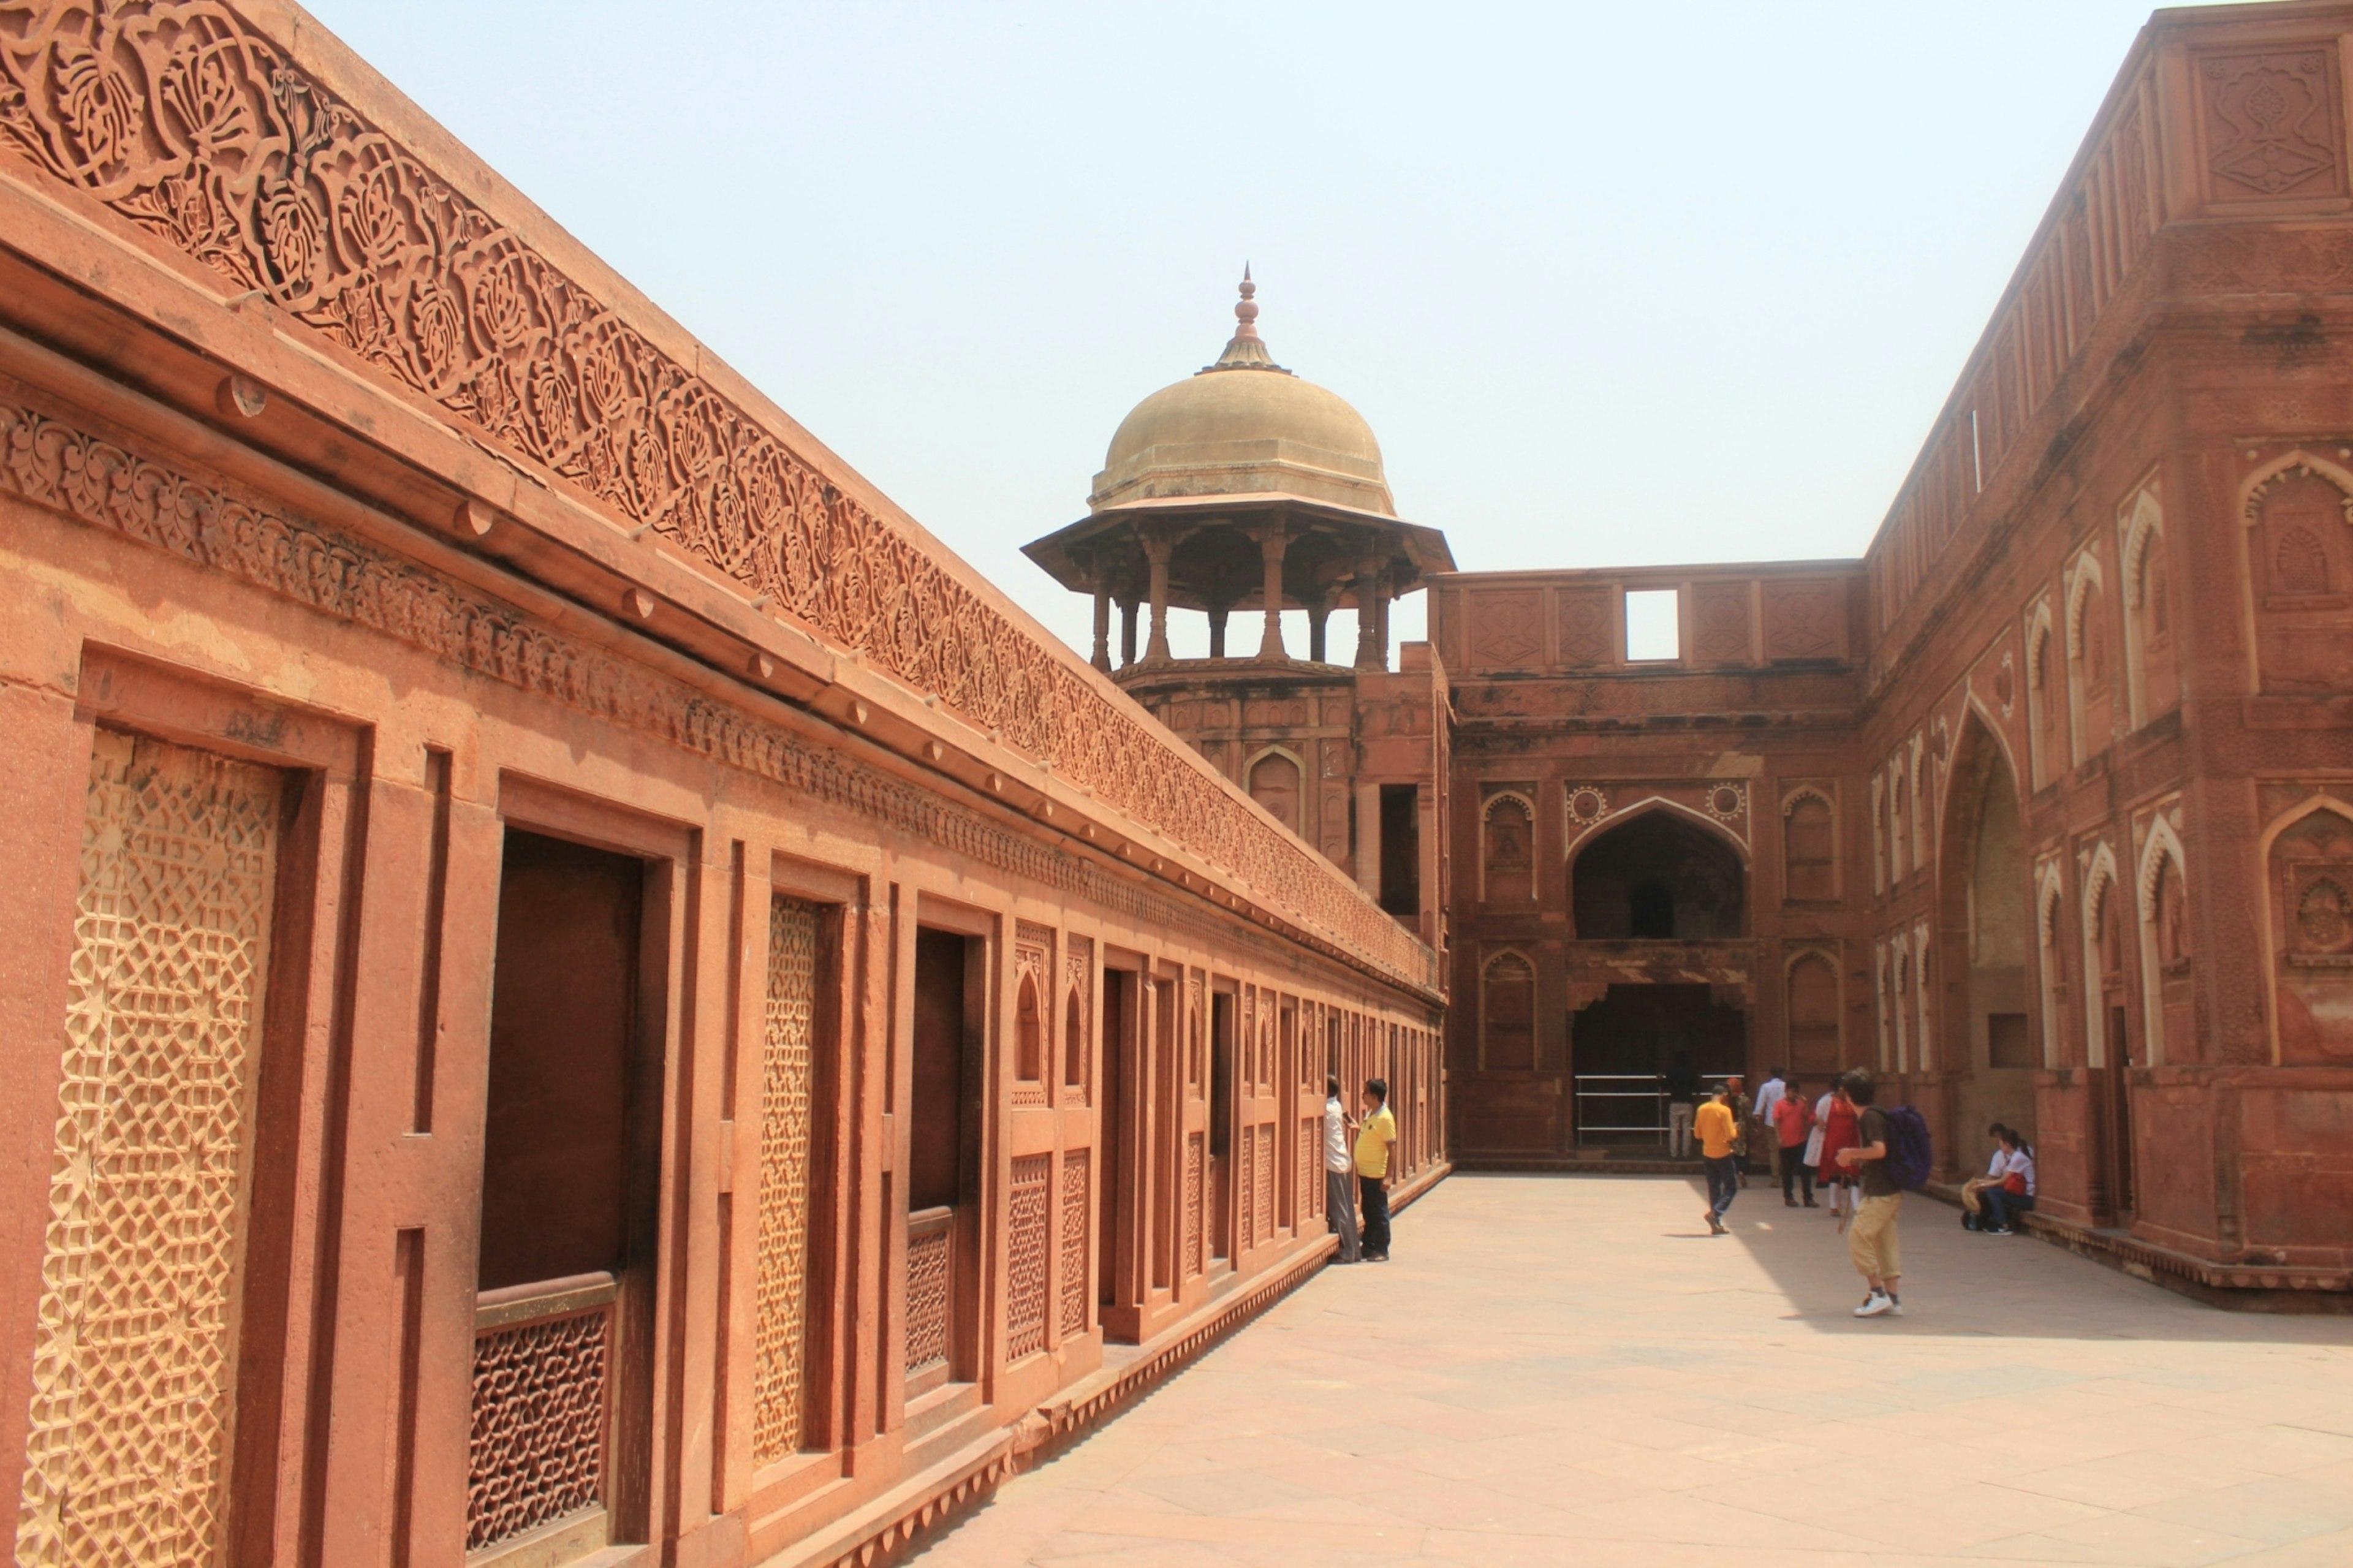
column 1373, row 1140
column 1718, row 1126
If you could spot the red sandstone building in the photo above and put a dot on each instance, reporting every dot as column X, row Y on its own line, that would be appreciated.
column 580, row 990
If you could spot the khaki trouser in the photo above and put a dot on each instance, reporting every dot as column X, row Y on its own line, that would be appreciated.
column 1871, row 1240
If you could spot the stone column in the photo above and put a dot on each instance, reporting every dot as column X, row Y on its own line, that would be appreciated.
column 1157, row 549
column 1218, row 614
column 1372, row 615
column 1101, row 659
column 1126, row 631
column 1272, row 545
column 1319, row 612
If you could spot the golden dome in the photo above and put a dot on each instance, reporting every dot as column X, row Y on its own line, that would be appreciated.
column 1244, row 425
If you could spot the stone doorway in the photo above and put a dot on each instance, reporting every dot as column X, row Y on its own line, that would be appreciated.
column 1620, row 1050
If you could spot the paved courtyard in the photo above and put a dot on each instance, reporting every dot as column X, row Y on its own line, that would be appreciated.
column 1567, row 1370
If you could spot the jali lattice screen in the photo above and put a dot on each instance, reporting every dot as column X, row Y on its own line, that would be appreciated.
column 787, row 1063
column 125, row 1456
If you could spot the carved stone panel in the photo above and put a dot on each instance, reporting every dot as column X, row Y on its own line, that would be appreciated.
column 780, row 1312
column 1586, row 624
column 2269, row 124
column 1026, row 1257
column 132, row 1377
column 1805, row 620
column 1720, row 622
column 1507, row 628
column 1073, row 1264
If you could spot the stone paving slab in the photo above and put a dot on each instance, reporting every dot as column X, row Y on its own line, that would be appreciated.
column 1569, row 1369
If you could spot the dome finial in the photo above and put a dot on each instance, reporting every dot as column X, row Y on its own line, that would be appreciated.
column 1246, row 350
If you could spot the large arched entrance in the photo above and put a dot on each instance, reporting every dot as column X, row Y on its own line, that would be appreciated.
column 1659, row 968
column 1987, row 922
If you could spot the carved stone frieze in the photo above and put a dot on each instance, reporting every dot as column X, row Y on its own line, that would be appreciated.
column 59, row 465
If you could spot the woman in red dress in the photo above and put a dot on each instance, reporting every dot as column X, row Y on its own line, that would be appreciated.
column 1839, row 1118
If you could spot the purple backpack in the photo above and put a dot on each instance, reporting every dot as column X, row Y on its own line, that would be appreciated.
column 1909, row 1156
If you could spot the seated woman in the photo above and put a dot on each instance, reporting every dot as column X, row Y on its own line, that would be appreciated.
column 2016, row 1194
column 1973, row 1190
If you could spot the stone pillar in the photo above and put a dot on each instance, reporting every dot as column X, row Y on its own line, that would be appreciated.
column 1372, row 615
column 1157, row 549
column 1126, row 631
column 1101, row 658
column 1319, row 612
column 1272, row 545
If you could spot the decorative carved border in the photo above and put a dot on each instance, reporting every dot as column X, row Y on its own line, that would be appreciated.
column 53, row 464
column 189, row 122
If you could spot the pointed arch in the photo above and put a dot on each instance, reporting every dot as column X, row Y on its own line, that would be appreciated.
column 2277, row 940
column 1658, row 802
column 2050, row 907
column 1809, row 858
column 2090, row 683
column 2151, row 682
column 2294, row 460
column 2044, row 696
column 1507, row 860
column 1508, row 1012
column 1285, row 800
column 2101, row 883
column 1658, row 870
column 2161, row 857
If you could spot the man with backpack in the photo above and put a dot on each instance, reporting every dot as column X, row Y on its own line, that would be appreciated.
column 1887, row 1160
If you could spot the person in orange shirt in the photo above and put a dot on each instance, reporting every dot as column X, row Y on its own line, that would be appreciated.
column 1793, row 1123
column 1718, row 1126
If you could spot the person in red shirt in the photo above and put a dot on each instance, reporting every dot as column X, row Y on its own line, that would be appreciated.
column 1793, row 1120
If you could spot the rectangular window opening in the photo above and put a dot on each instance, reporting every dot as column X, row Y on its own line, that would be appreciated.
column 1653, row 626
column 1401, row 850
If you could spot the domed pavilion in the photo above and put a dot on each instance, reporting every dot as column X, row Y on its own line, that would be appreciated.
column 1242, row 487
column 1245, row 486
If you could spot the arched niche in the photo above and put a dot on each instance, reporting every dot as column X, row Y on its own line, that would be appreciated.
column 2046, row 698
column 1507, row 848
column 1507, row 1014
column 1811, row 991
column 1809, row 847
column 2297, row 517
column 1028, row 1033
column 2106, row 1025
column 2308, row 860
column 2167, row 999
column 2091, row 660
column 1274, row 780
column 2153, row 672
column 1985, row 923
column 1659, row 873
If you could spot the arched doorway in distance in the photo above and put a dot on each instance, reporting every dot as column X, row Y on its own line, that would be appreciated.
column 1985, row 915
column 1657, row 879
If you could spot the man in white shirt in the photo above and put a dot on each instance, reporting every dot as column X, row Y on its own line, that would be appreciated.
column 1768, row 1095
column 1339, row 1174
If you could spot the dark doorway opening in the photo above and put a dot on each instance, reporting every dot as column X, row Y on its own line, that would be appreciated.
column 2116, row 1083
column 1659, row 877
column 571, row 1149
column 1114, row 1232
column 1221, row 1122
column 1622, row 1044
column 1400, row 849
column 943, row 1159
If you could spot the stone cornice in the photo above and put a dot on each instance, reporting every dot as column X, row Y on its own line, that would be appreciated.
column 221, row 142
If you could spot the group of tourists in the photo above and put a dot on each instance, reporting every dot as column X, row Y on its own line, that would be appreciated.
column 1358, row 1172
column 1991, row 1202
column 1840, row 1144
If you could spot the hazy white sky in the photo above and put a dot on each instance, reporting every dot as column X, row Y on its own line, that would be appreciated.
column 1613, row 283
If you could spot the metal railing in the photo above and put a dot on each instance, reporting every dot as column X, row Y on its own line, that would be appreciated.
column 1631, row 1107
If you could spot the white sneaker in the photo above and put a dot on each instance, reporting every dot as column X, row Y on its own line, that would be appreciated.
column 1877, row 1304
